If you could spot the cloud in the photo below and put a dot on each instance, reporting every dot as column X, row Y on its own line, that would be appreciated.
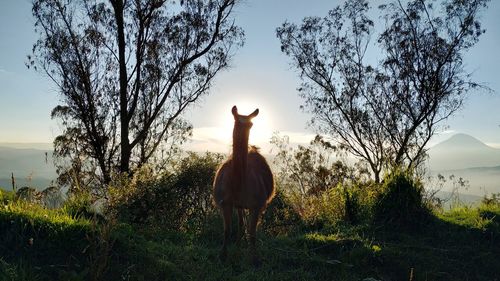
column 296, row 138
column 217, row 139
column 493, row 144
column 208, row 139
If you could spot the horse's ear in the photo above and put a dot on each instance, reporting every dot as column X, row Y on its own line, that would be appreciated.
column 255, row 113
column 234, row 110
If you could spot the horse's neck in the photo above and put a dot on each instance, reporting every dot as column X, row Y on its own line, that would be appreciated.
column 240, row 159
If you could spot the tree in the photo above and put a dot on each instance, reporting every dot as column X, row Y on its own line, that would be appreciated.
column 312, row 169
column 126, row 70
column 315, row 174
column 385, row 115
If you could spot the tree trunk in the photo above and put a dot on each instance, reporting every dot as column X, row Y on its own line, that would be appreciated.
column 105, row 172
column 124, row 118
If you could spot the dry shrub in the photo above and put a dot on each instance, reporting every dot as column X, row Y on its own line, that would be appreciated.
column 178, row 200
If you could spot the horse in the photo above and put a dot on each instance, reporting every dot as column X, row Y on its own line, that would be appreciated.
column 244, row 181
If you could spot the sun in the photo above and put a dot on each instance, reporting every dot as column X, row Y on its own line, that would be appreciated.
column 261, row 131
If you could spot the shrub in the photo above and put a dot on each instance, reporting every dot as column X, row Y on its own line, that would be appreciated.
column 179, row 200
column 193, row 188
column 6, row 197
column 52, row 197
column 27, row 193
column 363, row 196
column 492, row 200
column 280, row 218
column 401, row 201
column 79, row 205
column 132, row 199
column 352, row 207
column 315, row 211
column 319, row 185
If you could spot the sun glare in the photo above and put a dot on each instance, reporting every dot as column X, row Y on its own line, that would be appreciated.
column 261, row 131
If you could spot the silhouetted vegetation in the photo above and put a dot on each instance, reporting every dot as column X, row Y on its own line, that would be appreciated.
column 181, row 200
column 319, row 183
column 42, row 244
column 125, row 72
column 401, row 202
column 138, row 208
column 384, row 114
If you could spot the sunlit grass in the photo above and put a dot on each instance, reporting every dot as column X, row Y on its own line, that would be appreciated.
column 481, row 218
column 459, row 244
column 34, row 212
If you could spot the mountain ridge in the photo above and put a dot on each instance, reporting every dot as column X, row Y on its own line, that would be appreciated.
column 30, row 166
column 28, row 145
column 462, row 151
column 462, row 140
column 464, row 156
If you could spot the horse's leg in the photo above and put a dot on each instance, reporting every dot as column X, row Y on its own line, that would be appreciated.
column 227, row 210
column 252, row 231
column 241, row 224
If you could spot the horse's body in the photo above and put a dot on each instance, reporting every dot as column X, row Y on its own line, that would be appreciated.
column 245, row 181
column 258, row 189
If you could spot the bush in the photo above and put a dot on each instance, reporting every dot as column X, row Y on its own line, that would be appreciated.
column 179, row 200
column 315, row 211
column 352, row 206
column 79, row 205
column 6, row 197
column 192, row 189
column 280, row 218
column 401, row 201
column 492, row 200
column 318, row 185
column 133, row 199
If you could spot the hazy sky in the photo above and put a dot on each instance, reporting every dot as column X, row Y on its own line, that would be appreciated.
column 260, row 76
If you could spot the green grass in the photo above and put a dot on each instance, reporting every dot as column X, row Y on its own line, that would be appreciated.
column 461, row 244
column 457, row 245
column 37, row 243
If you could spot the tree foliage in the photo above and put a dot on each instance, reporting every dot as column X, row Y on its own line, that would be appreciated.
column 317, row 182
column 312, row 169
column 125, row 72
column 385, row 114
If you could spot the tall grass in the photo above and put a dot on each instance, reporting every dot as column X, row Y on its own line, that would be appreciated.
column 134, row 242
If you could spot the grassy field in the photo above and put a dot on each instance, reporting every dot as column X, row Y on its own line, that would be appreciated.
column 40, row 244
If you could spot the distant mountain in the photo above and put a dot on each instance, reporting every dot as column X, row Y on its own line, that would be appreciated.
column 29, row 145
column 30, row 167
column 467, row 157
column 462, row 151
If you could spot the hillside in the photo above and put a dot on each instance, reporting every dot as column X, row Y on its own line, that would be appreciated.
column 461, row 244
column 30, row 167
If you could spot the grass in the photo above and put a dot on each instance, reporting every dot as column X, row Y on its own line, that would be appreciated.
column 457, row 245
column 460, row 244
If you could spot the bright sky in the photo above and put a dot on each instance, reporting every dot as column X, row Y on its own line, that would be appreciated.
column 260, row 77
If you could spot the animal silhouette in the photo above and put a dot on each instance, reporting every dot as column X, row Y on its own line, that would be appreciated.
column 244, row 181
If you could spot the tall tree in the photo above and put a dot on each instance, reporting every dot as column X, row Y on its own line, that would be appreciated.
column 385, row 114
column 127, row 69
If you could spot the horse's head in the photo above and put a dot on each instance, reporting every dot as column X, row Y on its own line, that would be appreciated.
column 241, row 131
column 243, row 121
